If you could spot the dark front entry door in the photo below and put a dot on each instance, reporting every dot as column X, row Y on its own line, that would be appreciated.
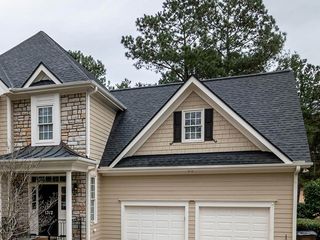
column 48, row 210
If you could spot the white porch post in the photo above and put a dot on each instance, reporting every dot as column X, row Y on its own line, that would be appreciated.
column 69, row 205
column 88, row 216
column 0, row 202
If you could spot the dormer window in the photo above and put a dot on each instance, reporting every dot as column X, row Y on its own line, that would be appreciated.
column 193, row 125
column 45, row 120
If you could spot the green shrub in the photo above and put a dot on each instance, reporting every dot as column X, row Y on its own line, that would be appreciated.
column 312, row 198
column 303, row 211
column 304, row 224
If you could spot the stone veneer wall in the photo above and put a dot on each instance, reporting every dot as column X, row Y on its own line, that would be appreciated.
column 73, row 133
column 73, row 121
column 21, row 123
column 79, row 206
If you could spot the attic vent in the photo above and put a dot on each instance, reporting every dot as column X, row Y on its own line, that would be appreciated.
column 41, row 76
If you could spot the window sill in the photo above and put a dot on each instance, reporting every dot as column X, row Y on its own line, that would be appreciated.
column 193, row 142
column 40, row 143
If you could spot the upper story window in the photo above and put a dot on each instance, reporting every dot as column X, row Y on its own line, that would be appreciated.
column 45, row 120
column 193, row 125
column 45, row 123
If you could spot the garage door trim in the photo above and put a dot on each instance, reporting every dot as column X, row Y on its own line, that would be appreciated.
column 125, row 204
column 233, row 204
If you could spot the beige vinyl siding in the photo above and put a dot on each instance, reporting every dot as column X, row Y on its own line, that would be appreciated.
column 101, row 120
column 276, row 187
column 3, row 125
column 228, row 137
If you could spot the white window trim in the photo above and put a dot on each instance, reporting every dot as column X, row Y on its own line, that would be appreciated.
column 33, row 213
column 36, row 73
column 125, row 204
column 243, row 204
column 45, row 100
column 95, row 217
column 183, row 130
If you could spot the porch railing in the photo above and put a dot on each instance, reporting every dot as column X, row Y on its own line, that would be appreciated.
column 77, row 224
column 62, row 229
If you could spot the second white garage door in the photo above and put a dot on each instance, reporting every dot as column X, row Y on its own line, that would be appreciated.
column 154, row 223
column 233, row 223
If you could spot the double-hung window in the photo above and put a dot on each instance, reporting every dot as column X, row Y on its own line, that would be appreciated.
column 45, row 120
column 45, row 123
column 193, row 125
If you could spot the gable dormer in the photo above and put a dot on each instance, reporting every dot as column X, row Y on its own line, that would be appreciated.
column 195, row 126
column 41, row 76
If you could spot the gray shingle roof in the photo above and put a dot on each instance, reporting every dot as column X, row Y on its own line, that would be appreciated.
column 199, row 159
column 41, row 152
column 268, row 102
column 17, row 64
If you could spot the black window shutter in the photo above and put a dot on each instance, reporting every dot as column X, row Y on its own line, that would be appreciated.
column 208, row 124
column 177, row 118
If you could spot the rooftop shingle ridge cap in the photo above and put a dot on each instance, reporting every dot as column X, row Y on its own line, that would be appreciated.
column 81, row 70
column 16, row 46
column 247, row 75
column 206, row 80
column 67, row 55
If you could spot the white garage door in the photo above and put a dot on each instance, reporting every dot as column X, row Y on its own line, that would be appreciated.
column 233, row 223
column 154, row 223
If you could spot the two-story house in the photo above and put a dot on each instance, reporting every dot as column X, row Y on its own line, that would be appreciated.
column 199, row 160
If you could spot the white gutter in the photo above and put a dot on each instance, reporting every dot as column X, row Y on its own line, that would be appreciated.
column 60, row 159
column 65, row 86
column 277, row 167
column 295, row 202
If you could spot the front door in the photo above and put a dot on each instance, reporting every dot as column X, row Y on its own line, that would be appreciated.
column 48, row 210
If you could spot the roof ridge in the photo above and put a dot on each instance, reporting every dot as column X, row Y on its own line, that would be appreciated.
column 144, row 87
column 205, row 80
column 16, row 46
column 66, row 54
column 247, row 75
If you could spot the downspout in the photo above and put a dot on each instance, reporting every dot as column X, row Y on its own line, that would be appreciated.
column 295, row 202
column 88, row 122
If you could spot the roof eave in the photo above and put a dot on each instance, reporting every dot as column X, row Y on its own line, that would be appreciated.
column 66, row 86
column 210, row 169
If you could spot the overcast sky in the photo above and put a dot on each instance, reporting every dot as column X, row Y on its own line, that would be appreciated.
column 96, row 26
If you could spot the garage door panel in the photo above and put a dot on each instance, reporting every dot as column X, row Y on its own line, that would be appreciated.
column 154, row 223
column 217, row 223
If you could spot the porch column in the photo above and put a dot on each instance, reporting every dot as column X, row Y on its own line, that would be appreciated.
column 0, row 202
column 69, row 205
